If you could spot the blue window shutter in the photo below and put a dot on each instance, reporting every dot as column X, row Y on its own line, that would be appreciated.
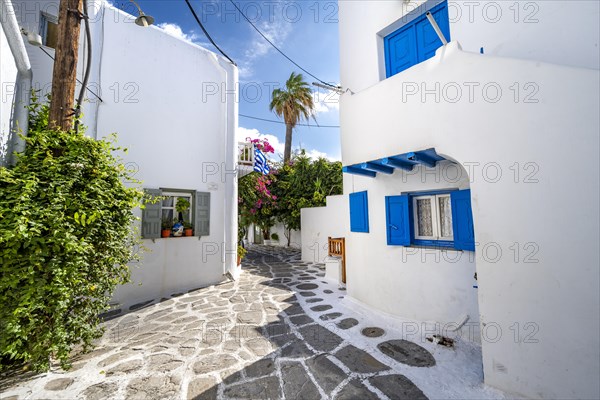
column 202, row 216
column 398, row 220
column 400, row 50
column 416, row 41
column 359, row 212
column 462, row 220
column 151, row 216
column 427, row 40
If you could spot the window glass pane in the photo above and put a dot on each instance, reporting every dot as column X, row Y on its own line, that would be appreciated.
column 168, row 202
column 424, row 220
column 445, row 216
column 186, row 216
column 51, row 34
column 167, row 214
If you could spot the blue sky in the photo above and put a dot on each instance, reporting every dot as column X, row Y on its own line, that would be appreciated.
column 305, row 30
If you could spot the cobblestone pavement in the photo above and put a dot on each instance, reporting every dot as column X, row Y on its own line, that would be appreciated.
column 278, row 332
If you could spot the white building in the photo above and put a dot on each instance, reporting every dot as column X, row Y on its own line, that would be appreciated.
column 172, row 104
column 459, row 163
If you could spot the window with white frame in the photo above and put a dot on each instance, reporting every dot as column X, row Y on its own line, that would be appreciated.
column 49, row 30
column 169, row 206
column 432, row 216
column 436, row 219
column 163, row 212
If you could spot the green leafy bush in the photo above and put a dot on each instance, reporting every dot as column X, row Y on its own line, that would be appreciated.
column 241, row 252
column 66, row 238
column 275, row 236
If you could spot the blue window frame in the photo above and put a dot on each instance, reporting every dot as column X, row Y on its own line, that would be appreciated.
column 416, row 41
column 359, row 212
column 434, row 219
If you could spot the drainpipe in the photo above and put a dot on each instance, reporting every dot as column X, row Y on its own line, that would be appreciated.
column 230, row 175
column 436, row 28
column 23, row 83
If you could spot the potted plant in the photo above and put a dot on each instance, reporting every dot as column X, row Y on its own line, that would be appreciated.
column 188, row 229
column 166, row 226
column 274, row 238
column 182, row 206
column 241, row 253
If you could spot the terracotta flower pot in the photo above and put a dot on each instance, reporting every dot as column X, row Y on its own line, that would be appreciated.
column 188, row 232
column 239, row 260
column 165, row 233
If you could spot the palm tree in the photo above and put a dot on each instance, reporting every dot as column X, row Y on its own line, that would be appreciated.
column 294, row 102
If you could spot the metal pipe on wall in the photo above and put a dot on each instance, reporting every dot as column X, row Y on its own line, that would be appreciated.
column 20, row 120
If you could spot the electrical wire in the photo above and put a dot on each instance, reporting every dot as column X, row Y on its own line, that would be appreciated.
column 280, row 122
column 277, row 48
column 88, row 67
column 206, row 33
column 88, row 89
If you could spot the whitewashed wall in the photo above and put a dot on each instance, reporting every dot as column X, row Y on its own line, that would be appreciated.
column 537, row 255
column 321, row 222
column 295, row 240
column 558, row 32
column 175, row 136
column 415, row 283
column 8, row 75
column 154, row 90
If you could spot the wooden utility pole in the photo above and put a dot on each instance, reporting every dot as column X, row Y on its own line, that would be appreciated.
column 64, row 75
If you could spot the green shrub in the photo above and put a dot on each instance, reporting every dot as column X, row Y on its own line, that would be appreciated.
column 275, row 236
column 66, row 238
column 241, row 252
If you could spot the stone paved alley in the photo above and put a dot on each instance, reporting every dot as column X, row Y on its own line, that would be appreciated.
column 280, row 331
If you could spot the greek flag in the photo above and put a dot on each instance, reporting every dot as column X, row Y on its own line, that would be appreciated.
column 260, row 162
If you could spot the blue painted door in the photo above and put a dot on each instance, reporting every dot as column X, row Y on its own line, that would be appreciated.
column 427, row 40
column 416, row 41
column 401, row 53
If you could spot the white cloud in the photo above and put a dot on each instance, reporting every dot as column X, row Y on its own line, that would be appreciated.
column 315, row 154
column 245, row 70
column 326, row 101
column 176, row 31
column 276, row 31
column 243, row 134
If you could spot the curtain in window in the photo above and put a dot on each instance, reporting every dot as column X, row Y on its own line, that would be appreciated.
column 425, row 221
column 445, row 216
column 168, row 205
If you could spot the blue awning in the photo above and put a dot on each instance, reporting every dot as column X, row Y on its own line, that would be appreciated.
column 387, row 165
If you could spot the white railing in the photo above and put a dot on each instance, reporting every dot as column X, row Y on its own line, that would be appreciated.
column 245, row 153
